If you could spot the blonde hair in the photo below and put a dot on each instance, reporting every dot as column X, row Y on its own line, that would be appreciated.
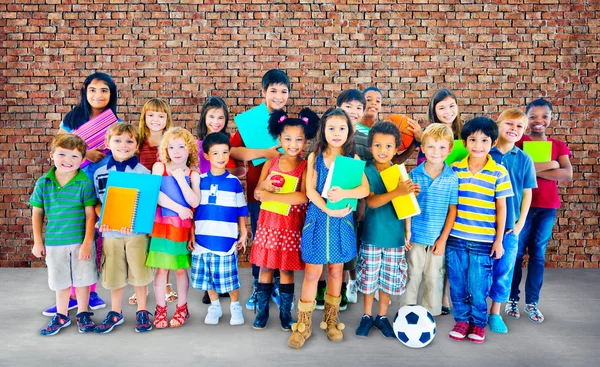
column 121, row 128
column 70, row 142
column 190, row 143
column 158, row 105
column 512, row 114
column 438, row 132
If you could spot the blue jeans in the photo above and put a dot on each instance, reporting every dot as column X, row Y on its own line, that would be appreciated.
column 469, row 269
column 503, row 269
column 534, row 237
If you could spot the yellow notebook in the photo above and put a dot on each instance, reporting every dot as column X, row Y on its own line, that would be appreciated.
column 406, row 205
column 120, row 207
column 290, row 185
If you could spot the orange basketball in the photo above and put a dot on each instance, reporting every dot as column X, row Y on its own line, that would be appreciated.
column 406, row 135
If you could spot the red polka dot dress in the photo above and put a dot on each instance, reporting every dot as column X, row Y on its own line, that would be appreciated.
column 277, row 242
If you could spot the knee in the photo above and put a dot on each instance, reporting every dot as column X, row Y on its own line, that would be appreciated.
column 161, row 272
column 312, row 274
column 336, row 273
column 181, row 273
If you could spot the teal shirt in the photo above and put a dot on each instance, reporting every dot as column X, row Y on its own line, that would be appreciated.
column 381, row 228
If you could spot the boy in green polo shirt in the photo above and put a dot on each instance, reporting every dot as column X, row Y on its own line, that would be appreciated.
column 66, row 196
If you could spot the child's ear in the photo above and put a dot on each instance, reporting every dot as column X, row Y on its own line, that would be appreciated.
column 205, row 155
column 494, row 143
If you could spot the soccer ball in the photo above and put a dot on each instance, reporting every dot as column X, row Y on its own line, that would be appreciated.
column 414, row 326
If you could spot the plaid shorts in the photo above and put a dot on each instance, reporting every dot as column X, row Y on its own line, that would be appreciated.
column 382, row 268
column 210, row 271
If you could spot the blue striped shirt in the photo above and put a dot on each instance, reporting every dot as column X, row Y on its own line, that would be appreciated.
column 221, row 204
column 477, row 194
column 434, row 199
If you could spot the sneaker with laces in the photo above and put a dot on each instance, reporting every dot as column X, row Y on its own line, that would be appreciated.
column 251, row 303
column 214, row 313
column 352, row 291
column 85, row 323
column 237, row 317
column 343, row 302
column 96, row 302
column 365, row 325
column 142, row 321
column 51, row 311
column 383, row 324
column 58, row 322
column 320, row 298
column 459, row 331
column 111, row 320
column 476, row 334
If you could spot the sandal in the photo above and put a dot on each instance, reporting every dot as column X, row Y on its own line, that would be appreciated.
column 160, row 317
column 172, row 295
column 180, row 317
column 512, row 309
column 533, row 313
column 133, row 298
column 446, row 310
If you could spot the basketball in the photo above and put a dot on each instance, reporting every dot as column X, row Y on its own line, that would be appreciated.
column 406, row 135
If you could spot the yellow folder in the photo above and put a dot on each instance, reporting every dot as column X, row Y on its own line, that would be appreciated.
column 290, row 185
column 406, row 205
column 120, row 207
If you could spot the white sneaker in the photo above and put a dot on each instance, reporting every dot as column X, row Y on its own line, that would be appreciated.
column 352, row 292
column 213, row 315
column 237, row 317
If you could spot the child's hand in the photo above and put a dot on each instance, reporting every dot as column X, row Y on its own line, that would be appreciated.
column 497, row 248
column 104, row 228
column 85, row 251
column 190, row 244
column 178, row 174
column 241, row 242
column 268, row 184
column 185, row 213
column 439, row 247
column 94, row 155
column 38, row 250
column 405, row 187
column 272, row 152
column 416, row 129
column 407, row 245
column 417, row 189
column 126, row 231
column 335, row 194
column 339, row 213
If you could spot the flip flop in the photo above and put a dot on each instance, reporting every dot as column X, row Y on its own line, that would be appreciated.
column 497, row 325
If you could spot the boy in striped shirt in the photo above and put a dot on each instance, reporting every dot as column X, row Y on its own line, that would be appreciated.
column 476, row 236
column 221, row 211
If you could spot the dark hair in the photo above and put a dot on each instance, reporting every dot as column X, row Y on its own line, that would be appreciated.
column 436, row 98
column 82, row 111
column 214, row 139
column 538, row 103
column 350, row 95
column 486, row 125
column 211, row 103
column 308, row 120
column 275, row 76
column 364, row 92
column 386, row 128
column 349, row 148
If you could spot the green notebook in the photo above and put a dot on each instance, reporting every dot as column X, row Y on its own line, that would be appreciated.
column 459, row 152
column 539, row 151
column 346, row 173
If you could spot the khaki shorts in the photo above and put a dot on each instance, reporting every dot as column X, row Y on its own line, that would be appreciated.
column 124, row 262
column 66, row 270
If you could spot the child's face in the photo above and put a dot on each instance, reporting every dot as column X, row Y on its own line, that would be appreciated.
column 215, row 120
column 383, row 148
column 436, row 151
column 354, row 109
column 539, row 119
column 446, row 111
column 66, row 160
column 122, row 146
column 292, row 140
column 218, row 156
column 276, row 96
column 156, row 121
column 511, row 130
column 98, row 94
column 373, row 103
column 478, row 144
column 336, row 131
column 178, row 151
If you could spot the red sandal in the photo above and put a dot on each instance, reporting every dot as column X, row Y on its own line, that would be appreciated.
column 160, row 317
column 180, row 317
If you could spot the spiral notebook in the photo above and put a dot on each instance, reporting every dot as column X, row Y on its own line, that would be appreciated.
column 346, row 173
column 120, row 208
column 290, row 185
column 94, row 131
column 406, row 205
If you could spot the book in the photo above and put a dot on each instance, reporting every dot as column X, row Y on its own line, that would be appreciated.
column 253, row 127
column 459, row 152
column 94, row 132
column 120, row 208
column 290, row 185
column 406, row 205
column 539, row 151
column 148, row 187
column 170, row 187
column 346, row 173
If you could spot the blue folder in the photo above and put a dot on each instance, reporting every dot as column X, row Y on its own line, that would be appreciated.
column 171, row 188
column 253, row 127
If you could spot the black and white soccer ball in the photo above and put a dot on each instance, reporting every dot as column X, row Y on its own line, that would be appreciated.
column 414, row 326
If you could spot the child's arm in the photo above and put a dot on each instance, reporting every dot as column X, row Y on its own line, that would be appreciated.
column 525, row 205
column 243, row 237
column 407, row 234
column 264, row 182
column 190, row 194
column 248, row 154
column 85, row 252
column 545, row 166
column 314, row 196
column 440, row 244
column 192, row 240
column 563, row 173
column 497, row 249
column 403, row 188
column 165, row 201
column 37, row 221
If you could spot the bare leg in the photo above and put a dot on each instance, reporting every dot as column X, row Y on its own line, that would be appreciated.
column 62, row 301
column 116, row 296
column 312, row 273
column 83, row 298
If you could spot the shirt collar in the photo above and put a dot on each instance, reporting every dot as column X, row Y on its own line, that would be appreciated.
column 131, row 163
column 51, row 175
column 489, row 166
column 512, row 151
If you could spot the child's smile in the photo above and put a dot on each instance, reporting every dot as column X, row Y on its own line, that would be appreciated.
column 539, row 119
column 178, row 151
column 511, row 130
column 478, row 144
column 156, row 121
column 383, row 148
column 122, row 147
column 66, row 160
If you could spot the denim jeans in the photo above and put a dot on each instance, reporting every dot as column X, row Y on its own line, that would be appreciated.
column 534, row 237
column 503, row 269
column 469, row 269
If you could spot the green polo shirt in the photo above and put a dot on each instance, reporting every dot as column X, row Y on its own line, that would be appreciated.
column 64, row 207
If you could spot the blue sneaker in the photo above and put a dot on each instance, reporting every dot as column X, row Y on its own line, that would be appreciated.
column 275, row 297
column 85, row 323
column 96, row 302
column 251, row 304
column 112, row 319
column 142, row 321
column 382, row 323
column 58, row 322
column 51, row 311
column 365, row 325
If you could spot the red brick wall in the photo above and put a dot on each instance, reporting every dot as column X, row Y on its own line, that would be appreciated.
column 493, row 56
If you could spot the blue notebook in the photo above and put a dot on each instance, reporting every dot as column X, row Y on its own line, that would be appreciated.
column 252, row 126
column 171, row 188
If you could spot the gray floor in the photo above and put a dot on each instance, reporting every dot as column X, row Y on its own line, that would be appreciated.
column 570, row 335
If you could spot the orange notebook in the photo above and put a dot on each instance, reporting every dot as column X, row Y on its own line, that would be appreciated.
column 120, row 207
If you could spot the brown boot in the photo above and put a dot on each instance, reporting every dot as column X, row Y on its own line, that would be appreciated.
column 302, row 329
column 330, row 319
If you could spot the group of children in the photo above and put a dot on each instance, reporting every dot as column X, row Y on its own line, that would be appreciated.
column 478, row 215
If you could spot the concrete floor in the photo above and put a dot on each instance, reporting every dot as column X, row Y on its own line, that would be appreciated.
column 569, row 336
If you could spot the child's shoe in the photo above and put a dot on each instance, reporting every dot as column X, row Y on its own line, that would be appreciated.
column 511, row 309
column 497, row 325
column 96, row 302
column 352, row 291
column 286, row 292
column 237, row 317
column 142, row 321
column 365, row 325
column 320, row 299
column 343, row 301
column 51, row 311
column 180, row 317
column 330, row 319
column 476, row 334
column 58, row 322
column 533, row 313
column 85, row 323
column 263, row 294
column 206, row 298
column 275, row 296
column 111, row 320
column 214, row 313
column 160, row 317
column 251, row 303
column 459, row 331
column 382, row 323
column 302, row 330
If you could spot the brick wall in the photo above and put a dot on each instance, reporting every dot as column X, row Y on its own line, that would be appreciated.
column 493, row 56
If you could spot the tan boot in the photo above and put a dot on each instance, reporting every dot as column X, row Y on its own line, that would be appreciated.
column 330, row 319
column 302, row 329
